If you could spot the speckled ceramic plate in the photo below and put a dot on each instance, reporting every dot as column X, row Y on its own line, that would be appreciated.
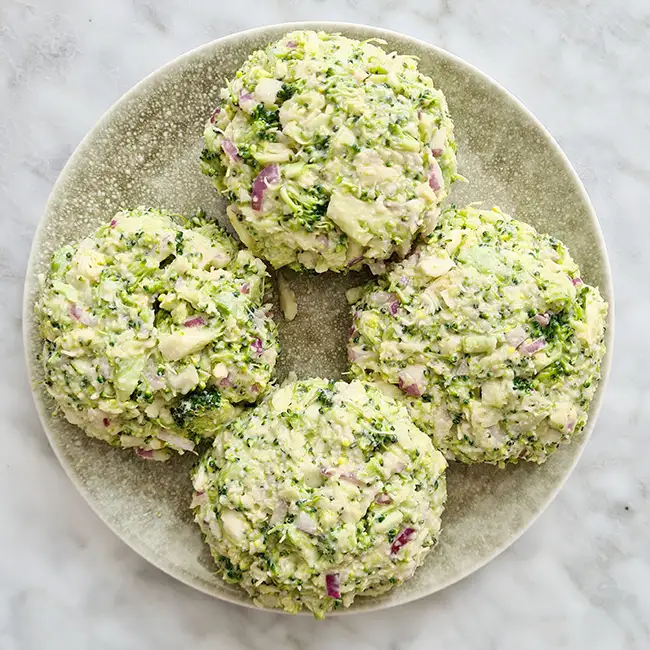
column 145, row 150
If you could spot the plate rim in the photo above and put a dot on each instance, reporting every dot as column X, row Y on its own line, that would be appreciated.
column 607, row 287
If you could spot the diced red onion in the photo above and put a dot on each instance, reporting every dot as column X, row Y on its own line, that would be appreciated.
column 113, row 223
column 245, row 288
column 81, row 315
column 225, row 382
column 437, row 143
column 358, row 75
column 152, row 454
column 393, row 306
column 176, row 440
column 402, row 540
column 355, row 260
column 258, row 347
column 354, row 354
column 332, row 585
column 409, row 389
column 571, row 424
column 230, row 149
column 214, row 115
column 291, row 45
column 199, row 499
column 576, row 281
column 156, row 381
column 305, row 523
column 404, row 281
column 327, row 471
column 383, row 499
column 542, row 319
column 255, row 388
column 532, row 347
column 435, row 176
column 218, row 259
column 411, row 380
column 269, row 175
column 197, row 321
column 247, row 102
column 351, row 477
column 352, row 331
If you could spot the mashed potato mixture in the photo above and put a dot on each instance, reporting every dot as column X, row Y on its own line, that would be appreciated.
column 324, row 492
column 331, row 152
column 148, row 323
column 489, row 335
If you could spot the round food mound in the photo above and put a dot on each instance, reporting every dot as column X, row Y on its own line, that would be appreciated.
column 149, row 323
column 331, row 152
column 324, row 492
column 491, row 335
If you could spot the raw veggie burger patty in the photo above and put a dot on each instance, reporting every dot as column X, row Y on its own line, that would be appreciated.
column 149, row 309
column 491, row 335
column 324, row 492
column 331, row 152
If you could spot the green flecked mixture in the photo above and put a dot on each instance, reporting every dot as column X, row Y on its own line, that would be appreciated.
column 324, row 492
column 489, row 335
column 331, row 152
column 154, row 331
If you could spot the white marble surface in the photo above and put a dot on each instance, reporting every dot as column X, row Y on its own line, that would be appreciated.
column 580, row 578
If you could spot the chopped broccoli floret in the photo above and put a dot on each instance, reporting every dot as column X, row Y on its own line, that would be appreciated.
column 286, row 92
column 203, row 411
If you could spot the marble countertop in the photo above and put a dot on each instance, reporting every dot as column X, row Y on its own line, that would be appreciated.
column 579, row 578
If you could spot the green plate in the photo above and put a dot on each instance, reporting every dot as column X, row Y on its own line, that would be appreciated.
column 145, row 150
